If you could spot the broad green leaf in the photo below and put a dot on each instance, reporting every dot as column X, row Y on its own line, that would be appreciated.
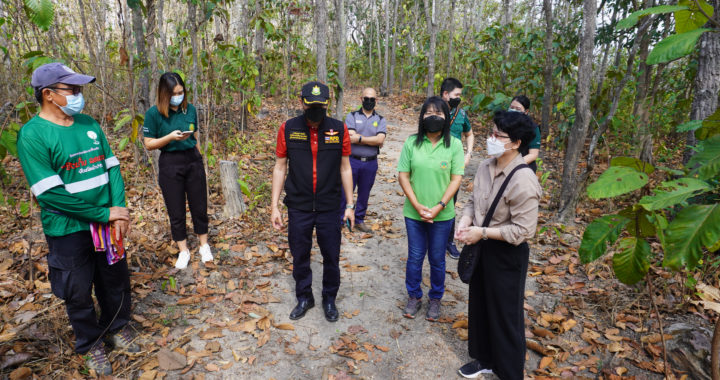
column 672, row 171
column 689, row 126
column 631, row 261
column 707, row 160
column 691, row 18
column 670, row 193
column 40, row 12
column 675, row 46
column 120, row 123
column 33, row 53
column 634, row 17
column 617, row 180
column 710, row 126
column 640, row 223
column 123, row 143
column 8, row 140
column 693, row 228
column 632, row 162
column 598, row 234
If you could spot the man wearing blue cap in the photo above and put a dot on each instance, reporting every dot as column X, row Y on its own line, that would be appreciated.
column 76, row 179
column 316, row 149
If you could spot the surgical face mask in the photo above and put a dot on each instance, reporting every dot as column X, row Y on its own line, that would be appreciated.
column 315, row 114
column 176, row 100
column 495, row 147
column 368, row 104
column 514, row 110
column 75, row 104
column 432, row 124
column 453, row 103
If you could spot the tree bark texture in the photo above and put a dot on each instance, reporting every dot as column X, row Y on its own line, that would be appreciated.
column 451, row 37
column 229, row 175
column 570, row 191
column 321, row 39
column 152, row 27
column 259, row 50
column 391, row 80
column 432, row 27
column 138, row 31
column 192, row 20
column 505, row 42
column 342, row 57
column 386, row 66
column 548, row 69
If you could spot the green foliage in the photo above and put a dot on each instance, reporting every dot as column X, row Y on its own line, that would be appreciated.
column 598, row 234
column 40, row 12
column 710, row 126
column 8, row 140
column 617, row 180
column 634, row 17
column 689, row 126
column 691, row 18
column 707, row 160
column 675, row 46
column 672, row 193
column 694, row 228
column 631, row 261
column 640, row 221
column 634, row 163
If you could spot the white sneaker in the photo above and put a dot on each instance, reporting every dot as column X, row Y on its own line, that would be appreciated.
column 206, row 253
column 182, row 260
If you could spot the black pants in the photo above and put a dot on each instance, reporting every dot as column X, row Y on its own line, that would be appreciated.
column 300, row 230
column 496, row 318
column 183, row 173
column 75, row 268
column 451, row 237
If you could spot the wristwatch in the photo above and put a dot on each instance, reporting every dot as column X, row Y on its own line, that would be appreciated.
column 350, row 206
column 360, row 140
column 484, row 233
column 442, row 204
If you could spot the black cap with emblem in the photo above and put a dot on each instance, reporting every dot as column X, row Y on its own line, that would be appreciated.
column 315, row 93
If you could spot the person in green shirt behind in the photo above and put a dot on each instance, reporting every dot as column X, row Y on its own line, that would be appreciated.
column 521, row 103
column 76, row 180
column 171, row 125
column 430, row 169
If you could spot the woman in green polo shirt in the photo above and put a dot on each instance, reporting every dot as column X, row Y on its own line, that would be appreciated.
column 430, row 169
column 171, row 126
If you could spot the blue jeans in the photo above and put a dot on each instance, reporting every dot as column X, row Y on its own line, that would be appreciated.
column 431, row 238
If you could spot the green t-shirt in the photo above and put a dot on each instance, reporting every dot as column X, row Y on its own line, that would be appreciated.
column 157, row 125
column 430, row 170
column 535, row 143
column 460, row 124
column 72, row 172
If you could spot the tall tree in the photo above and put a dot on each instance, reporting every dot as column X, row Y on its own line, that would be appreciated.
column 548, row 68
column 432, row 27
column 192, row 20
column 505, row 42
column 391, row 81
column 451, row 37
column 150, row 6
column 259, row 48
column 571, row 181
column 321, row 39
column 386, row 66
column 138, row 31
column 341, row 46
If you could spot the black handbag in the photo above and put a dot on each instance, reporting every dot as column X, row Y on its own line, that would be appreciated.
column 471, row 252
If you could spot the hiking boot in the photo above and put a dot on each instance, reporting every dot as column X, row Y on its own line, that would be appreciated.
column 206, row 253
column 182, row 260
column 474, row 369
column 412, row 307
column 96, row 360
column 124, row 340
column 433, row 312
column 362, row 227
column 453, row 251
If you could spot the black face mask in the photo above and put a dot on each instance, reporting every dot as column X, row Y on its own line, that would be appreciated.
column 432, row 124
column 315, row 114
column 368, row 105
column 453, row 103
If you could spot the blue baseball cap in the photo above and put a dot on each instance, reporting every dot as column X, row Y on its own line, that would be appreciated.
column 51, row 73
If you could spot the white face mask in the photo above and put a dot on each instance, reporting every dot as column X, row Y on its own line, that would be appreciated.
column 495, row 148
column 176, row 100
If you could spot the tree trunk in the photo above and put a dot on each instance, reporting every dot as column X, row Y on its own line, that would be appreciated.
column 229, row 176
column 715, row 352
column 548, row 69
column 192, row 20
column 432, row 27
column 451, row 37
column 641, row 113
column 570, row 190
column 393, row 58
column 86, row 33
column 386, row 66
column 161, row 32
column 707, row 80
column 259, row 49
column 321, row 39
column 505, row 43
column 342, row 46
column 144, row 96
column 152, row 30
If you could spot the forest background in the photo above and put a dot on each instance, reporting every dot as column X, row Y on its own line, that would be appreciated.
column 625, row 92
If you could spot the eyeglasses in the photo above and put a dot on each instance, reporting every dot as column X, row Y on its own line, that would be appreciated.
column 366, row 99
column 74, row 90
column 498, row 136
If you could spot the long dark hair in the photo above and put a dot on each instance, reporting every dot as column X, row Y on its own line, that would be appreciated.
column 166, row 86
column 439, row 104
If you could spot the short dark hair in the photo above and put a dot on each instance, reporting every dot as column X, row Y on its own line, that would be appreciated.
column 437, row 103
column 39, row 91
column 523, row 100
column 449, row 84
column 166, row 86
column 517, row 125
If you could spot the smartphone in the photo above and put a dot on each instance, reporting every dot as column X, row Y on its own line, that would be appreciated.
column 347, row 223
column 188, row 132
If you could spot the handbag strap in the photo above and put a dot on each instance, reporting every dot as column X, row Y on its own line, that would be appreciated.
column 491, row 211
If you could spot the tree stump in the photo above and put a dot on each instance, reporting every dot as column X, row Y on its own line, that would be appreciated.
column 234, row 204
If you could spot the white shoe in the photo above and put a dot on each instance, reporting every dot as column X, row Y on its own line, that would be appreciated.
column 206, row 253
column 182, row 260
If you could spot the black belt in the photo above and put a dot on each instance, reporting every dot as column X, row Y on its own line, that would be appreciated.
column 364, row 159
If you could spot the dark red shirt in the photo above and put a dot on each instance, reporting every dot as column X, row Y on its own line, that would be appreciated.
column 281, row 147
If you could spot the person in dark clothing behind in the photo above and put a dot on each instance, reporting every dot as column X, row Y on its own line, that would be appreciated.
column 521, row 103
column 316, row 149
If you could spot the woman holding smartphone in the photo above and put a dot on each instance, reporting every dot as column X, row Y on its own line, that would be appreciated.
column 171, row 125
